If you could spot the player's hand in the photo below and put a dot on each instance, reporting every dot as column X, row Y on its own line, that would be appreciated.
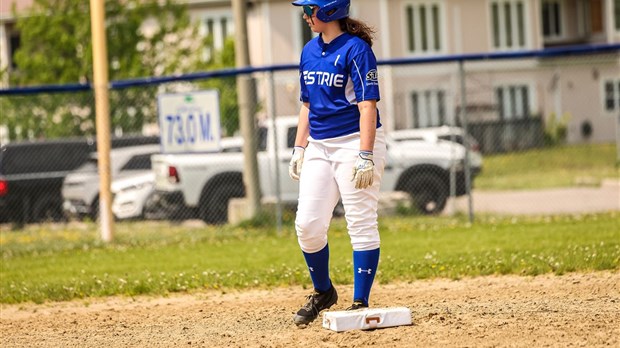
column 363, row 171
column 294, row 167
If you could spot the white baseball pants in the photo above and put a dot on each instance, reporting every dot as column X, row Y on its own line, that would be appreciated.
column 325, row 177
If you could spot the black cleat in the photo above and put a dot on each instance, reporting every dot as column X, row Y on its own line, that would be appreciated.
column 357, row 305
column 317, row 302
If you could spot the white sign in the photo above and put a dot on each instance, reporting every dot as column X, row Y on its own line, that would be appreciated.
column 189, row 122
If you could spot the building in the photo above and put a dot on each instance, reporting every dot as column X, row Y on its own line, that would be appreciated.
column 584, row 92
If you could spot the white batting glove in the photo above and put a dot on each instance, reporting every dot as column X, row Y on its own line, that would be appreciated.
column 363, row 171
column 294, row 167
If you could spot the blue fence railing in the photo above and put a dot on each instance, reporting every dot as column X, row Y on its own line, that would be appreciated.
column 120, row 84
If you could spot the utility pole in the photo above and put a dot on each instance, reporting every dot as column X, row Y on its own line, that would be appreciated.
column 102, row 106
column 246, row 96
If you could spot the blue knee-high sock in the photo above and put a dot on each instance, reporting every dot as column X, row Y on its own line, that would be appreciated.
column 364, row 268
column 318, row 265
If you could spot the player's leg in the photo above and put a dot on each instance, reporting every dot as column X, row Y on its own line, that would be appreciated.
column 318, row 195
column 361, row 215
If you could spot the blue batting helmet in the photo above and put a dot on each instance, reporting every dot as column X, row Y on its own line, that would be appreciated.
column 329, row 10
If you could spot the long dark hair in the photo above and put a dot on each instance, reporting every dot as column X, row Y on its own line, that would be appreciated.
column 358, row 28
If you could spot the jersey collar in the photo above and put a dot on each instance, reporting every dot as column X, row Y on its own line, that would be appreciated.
column 337, row 42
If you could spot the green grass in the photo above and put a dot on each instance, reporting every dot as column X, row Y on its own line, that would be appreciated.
column 64, row 262
column 549, row 167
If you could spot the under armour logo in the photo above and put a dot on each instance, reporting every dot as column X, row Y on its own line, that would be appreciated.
column 368, row 271
column 311, row 269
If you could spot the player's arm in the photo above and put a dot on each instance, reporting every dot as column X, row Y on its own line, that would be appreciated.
column 303, row 126
column 363, row 73
column 301, row 141
column 363, row 171
column 368, row 124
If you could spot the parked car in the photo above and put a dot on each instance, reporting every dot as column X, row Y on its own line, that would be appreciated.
column 442, row 133
column 80, row 189
column 133, row 194
column 32, row 173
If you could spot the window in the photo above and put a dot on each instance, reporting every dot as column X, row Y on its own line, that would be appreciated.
column 306, row 33
column 217, row 28
column 291, row 135
column 302, row 31
column 596, row 16
column 423, row 27
column 508, row 23
column 429, row 108
column 14, row 43
column 513, row 101
column 611, row 89
column 138, row 162
column 617, row 14
column 552, row 18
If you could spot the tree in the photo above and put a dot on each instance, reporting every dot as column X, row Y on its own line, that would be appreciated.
column 227, row 88
column 145, row 38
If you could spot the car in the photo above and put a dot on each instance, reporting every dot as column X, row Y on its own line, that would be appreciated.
column 134, row 194
column 80, row 189
column 441, row 133
column 32, row 174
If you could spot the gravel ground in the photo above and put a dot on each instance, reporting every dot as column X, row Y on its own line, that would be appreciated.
column 573, row 310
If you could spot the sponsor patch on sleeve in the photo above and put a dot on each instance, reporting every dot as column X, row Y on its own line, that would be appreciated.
column 372, row 78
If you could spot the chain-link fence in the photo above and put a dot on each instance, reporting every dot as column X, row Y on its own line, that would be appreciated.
column 521, row 123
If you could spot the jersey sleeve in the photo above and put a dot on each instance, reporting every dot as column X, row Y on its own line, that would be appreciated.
column 303, row 95
column 363, row 73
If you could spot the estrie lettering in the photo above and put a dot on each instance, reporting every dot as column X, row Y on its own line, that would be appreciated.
column 323, row 78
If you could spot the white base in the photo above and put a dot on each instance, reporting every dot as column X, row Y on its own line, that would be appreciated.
column 366, row 319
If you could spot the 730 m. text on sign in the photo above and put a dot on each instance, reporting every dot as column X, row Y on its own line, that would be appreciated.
column 189, row 122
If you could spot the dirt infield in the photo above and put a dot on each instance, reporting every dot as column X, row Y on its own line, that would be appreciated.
column 580, row 310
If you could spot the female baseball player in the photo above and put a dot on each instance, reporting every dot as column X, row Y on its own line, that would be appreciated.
column 340, row 145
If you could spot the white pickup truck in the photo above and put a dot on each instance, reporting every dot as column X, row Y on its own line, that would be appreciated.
column 202, row 184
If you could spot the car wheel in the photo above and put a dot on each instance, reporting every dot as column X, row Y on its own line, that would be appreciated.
column 155, row 208
column 48, row 209
column 214, row 208
column 428, row 193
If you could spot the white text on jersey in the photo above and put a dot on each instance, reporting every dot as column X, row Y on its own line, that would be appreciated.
column 323, row 78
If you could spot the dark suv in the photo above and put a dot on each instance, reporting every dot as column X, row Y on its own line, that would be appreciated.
column 31, row 175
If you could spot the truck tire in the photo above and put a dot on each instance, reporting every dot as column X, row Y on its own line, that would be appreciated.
column 154, row 208
column 94, row 210
column 214, row 206
column 428, row 193
column 48, row 209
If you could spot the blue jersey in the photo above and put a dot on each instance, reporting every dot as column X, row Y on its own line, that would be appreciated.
column 334, row 77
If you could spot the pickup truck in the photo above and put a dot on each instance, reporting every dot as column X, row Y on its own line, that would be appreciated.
column 204, row 183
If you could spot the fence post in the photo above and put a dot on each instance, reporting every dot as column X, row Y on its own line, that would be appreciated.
column 465, row 131
column 618, row 138
column 452, row 207
column 247, row 102
column 271, row 111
